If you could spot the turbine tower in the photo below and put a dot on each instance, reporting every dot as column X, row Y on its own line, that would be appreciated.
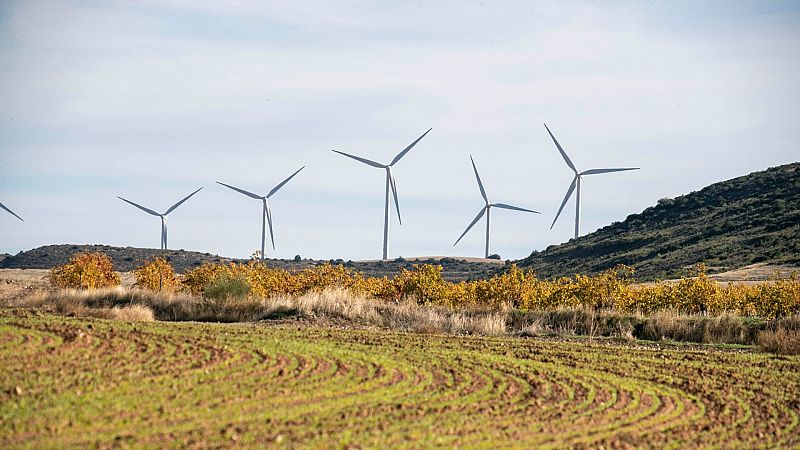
column 162, row 216
column 390, row 184
column 266, row 216
column 576, row 183
column 487, row 209
column 10, row 212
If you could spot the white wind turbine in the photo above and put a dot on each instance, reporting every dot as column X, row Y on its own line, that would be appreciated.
column 162, row 216
column 576, row 183
column 266, row 211
column 487, row 209
column 390, row 184
column 10, row 212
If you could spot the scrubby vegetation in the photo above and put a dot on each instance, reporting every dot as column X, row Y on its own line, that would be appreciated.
column 746, row 220
column 518, row 289
column 344, row 307
column 694, row 309
column 782, row 336
column 225, row 286
column 85, row 271
column 157, row 275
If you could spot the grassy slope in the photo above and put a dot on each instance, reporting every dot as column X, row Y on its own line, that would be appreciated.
column 86, row 383
column 749, row 219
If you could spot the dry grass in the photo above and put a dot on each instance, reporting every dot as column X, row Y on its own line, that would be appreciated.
column 133, row 313
column 18, row 284
column 722, row 329
column 781, row 341
column 333, row 303
column 328, row 304
column 342, row 306
column 407, row 315
column 534, row 328
column 575, row 322
column 84, row 304
column 782, row 337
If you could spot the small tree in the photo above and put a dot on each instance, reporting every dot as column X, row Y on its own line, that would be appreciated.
column 157, row 275
column 85, row 271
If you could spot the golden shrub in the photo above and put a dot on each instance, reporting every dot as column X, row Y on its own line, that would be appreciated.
column 325, row 276
column 194, row 280
column 423, row 282
column 157, row 275
column 85, row 271
column 264, row 281
column 516, row 288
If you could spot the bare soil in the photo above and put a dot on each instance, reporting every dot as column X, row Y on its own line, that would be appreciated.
column 93, row 383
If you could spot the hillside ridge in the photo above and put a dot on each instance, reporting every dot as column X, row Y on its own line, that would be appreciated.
column 126, row 259
column 749, row 219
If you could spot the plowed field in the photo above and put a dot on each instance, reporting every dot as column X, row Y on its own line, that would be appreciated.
column 96, row 383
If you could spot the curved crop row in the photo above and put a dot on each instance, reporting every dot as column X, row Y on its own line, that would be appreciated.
column 87, row 383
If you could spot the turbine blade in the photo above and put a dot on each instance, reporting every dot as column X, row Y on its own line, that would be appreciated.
column 515, row 208
column 363, row 160
column 478, row 177
column 561, row 150
column 566, row 197
column 172, row 208
column 472, row 224
column 276, row 188
column 403, row 153
column 269, row 220
column 242, row 191
column 596, row 171
column 394, row 193
column 147, row 210
column 11, row 212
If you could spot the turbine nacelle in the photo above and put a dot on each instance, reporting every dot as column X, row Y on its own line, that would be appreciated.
column 266, row 211
column 576, row 182
column 486, row 210
column 391, row 185
column 162, row 216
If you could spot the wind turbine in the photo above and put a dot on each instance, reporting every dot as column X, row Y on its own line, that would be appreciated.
column 266, row 211
column 487, row 209
column 576, row 183
column 390, row 184
column 10, row 212
column 162, row 216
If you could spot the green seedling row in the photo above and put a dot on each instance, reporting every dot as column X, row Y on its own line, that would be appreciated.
column 88, row 383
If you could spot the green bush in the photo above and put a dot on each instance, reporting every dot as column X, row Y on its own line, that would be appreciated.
column 225, row 287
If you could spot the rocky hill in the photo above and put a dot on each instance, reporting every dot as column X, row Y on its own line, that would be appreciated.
column 750, row 219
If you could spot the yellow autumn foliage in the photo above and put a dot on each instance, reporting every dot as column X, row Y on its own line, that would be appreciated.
column 85, row 271
column 516, row 288
column 157, row 275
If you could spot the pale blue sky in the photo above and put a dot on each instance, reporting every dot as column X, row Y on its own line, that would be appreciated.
column 150, row 100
